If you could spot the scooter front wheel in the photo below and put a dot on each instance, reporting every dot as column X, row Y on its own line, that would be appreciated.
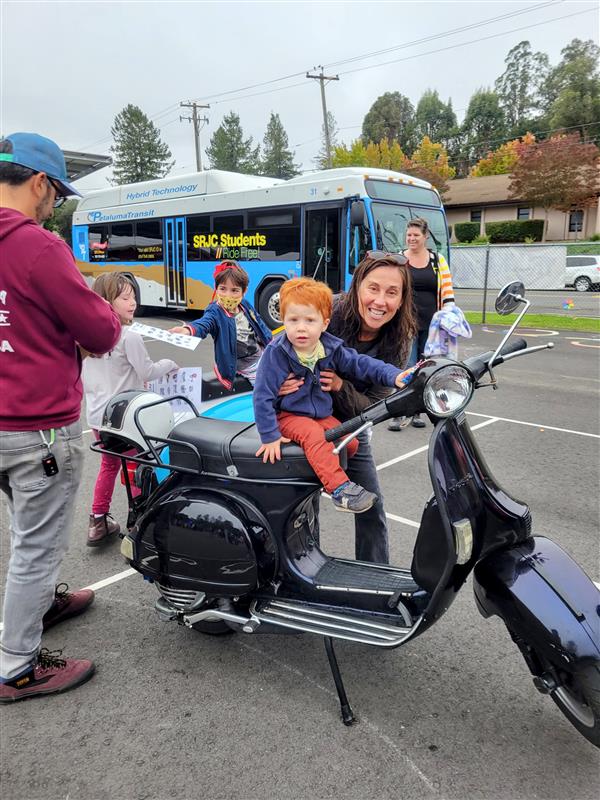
column 578, row 697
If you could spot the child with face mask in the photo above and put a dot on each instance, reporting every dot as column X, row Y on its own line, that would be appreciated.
column 239, row 333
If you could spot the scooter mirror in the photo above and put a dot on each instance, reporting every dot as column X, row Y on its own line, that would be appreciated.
column 509, row 298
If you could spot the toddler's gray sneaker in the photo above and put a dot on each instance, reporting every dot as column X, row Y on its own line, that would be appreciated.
column 353, row 498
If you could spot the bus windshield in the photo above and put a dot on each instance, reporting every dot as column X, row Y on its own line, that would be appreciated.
column 391, row 221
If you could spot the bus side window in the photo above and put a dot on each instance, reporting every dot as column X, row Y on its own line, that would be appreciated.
column 121, row 246
column 98, row 242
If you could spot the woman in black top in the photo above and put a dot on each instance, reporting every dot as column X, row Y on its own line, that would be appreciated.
column 431, row 282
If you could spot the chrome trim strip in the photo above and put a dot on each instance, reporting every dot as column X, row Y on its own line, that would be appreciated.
column 338, row 617
column 354, row 589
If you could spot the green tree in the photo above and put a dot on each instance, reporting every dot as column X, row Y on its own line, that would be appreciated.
column 483, row 126
column 321, row 160
column 560, row 172
column 430, row 163
column 277, row 159
column 435, row 118
column 502, row 160
column 519, row 85
column 61, row 221
column 572, row 89
column 139, row 154
column 384, row 154
column 391, row 117
column 228, row 150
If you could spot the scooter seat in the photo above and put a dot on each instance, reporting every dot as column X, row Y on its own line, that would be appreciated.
column 229, row 448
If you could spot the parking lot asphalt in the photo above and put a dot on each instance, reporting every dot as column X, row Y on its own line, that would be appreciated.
column 565, row 302
column 175, row 714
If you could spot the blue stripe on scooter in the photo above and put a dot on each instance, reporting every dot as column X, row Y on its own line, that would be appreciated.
column 236, row 409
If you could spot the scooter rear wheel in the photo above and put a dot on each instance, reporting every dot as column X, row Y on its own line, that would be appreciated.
column 216, row 628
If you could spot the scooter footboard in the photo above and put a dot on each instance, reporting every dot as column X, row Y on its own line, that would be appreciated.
column 544, row 598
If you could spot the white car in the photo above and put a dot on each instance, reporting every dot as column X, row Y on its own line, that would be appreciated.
column 583, row 272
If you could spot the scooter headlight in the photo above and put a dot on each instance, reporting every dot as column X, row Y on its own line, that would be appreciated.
column 448, row 391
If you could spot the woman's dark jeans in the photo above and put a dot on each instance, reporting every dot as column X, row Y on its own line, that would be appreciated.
column 371, row 533
column 370, row 527
column 418, row 348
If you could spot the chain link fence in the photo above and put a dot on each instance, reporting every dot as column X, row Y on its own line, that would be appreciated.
column 564, row 278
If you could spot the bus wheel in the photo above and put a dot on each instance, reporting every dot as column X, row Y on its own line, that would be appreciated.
column 268, row 304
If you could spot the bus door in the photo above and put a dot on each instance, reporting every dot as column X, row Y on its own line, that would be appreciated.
column 175, row 262
column 322, row 254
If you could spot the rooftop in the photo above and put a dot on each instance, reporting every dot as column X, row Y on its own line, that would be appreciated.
column 491, row 190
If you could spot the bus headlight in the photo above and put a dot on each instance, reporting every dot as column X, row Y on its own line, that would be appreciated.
column 448, row 391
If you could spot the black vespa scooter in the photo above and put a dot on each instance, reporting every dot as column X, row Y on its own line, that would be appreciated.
column 230, row 542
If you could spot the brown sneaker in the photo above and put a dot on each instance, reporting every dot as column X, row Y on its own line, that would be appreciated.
column 101, row 529
column 67, row 604
column 50, row 675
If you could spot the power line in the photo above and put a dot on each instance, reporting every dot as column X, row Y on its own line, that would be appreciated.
column 463, row 44
column 442, row 34
column 417, row 55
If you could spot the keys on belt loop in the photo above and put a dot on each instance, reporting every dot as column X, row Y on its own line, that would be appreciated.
column 49, row 464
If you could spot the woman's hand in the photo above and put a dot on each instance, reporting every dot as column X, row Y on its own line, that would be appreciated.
column 272, row 450
column 290, row 385
column 330, row 381
column 181, row 329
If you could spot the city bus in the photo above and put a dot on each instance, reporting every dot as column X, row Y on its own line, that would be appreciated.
column 168, row 234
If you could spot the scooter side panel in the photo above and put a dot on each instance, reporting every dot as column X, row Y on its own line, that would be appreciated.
column 543, row 596
column 196, row 540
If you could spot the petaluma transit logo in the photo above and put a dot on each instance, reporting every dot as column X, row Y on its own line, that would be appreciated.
column 98, row 216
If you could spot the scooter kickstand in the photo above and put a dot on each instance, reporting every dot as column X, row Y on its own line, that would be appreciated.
column 348, row 717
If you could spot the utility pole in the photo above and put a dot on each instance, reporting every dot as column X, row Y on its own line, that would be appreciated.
column 196, row 120
column 322, row 78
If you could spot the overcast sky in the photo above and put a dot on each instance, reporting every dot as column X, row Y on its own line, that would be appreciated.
column 69, row 67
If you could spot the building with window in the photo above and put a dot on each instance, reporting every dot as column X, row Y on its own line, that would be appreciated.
column 486, row 200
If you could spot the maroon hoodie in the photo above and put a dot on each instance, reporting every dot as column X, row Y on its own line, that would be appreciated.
column 46, row 308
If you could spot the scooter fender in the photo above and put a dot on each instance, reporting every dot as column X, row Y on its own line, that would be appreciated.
column 545, row 599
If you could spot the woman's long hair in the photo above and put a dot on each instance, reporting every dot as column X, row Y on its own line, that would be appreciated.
column 396, row 335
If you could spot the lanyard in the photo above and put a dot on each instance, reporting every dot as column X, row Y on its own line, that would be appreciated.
column 52, row 438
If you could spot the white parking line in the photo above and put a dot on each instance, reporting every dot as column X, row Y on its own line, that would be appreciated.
column 112, row 579
column 426, row 446
column 534, row 425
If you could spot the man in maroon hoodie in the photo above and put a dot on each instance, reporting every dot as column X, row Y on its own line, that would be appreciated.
column 46, row 311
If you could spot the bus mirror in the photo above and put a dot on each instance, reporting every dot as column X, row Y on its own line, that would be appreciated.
column 357, row 213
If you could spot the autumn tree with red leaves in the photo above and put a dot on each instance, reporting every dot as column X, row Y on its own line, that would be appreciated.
column 561, row 172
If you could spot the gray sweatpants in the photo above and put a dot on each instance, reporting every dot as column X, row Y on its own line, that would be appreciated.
column 41, row 512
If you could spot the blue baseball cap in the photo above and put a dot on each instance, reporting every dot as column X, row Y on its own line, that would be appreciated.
column 41, row 155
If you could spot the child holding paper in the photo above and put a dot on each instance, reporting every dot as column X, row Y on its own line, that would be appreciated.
column 239, row 333
column 128, row 366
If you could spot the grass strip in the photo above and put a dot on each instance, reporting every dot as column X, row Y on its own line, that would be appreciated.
column 555, row 322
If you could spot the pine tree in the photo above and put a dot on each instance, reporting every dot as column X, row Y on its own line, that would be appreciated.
column 435, row 118
column 228, row 150
column 321, row 160
column 392, row 117
column 139, row 154
column 277, row 160
column 518, row 86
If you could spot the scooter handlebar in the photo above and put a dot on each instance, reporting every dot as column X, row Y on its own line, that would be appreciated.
column 479, row 364
column 344, row 429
